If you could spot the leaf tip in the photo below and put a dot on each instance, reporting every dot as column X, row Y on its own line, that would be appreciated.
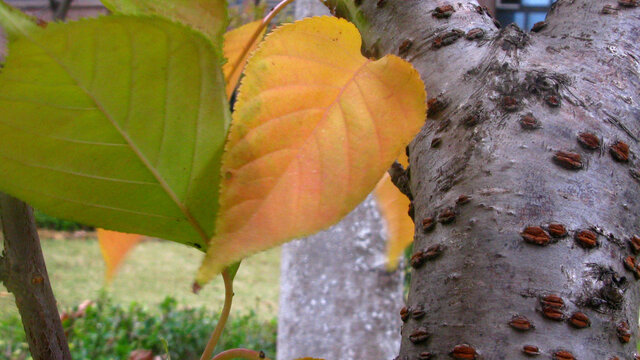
column 392, row 263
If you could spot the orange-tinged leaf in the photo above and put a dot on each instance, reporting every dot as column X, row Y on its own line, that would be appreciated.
column 316, row 126
column 235, row 41
column 403, row 159
column 394, row 205
column 114, row 247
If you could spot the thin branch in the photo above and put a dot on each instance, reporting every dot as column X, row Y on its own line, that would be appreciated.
column 224, row 315
column 61, row 10
column 265, row 22
column 3, row 270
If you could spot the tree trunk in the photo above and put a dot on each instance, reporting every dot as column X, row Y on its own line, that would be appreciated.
column 528, row 164
column 337, row 301
column 23, row 271
column 307, row 8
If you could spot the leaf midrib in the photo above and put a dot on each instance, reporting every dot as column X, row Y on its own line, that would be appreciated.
column 333, row 103
column 154, row 172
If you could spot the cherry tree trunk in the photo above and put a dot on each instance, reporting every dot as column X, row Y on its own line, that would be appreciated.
column 528, row 167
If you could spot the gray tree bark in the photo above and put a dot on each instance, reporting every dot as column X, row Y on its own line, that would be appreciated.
column 528, row 163
column 307, row 8
column 337, row 300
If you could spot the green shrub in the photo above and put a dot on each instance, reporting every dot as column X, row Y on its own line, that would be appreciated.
column 109, row 331
column 12, row 339
column 44, row 221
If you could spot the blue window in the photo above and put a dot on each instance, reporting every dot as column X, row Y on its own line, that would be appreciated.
column 542, row 3
column 525, row 13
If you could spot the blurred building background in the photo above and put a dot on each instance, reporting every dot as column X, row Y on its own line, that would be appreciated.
column 525, row 13
column 43, row 8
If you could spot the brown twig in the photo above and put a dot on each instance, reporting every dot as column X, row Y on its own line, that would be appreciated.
column 3, row 270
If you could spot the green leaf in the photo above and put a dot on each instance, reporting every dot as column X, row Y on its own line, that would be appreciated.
column 15, row 22
column 206, row 16
column 117, row 122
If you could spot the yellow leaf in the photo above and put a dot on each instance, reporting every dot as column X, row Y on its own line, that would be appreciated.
column 114, row 247
column 235, row 41
column 394, row 205
column 316, row 126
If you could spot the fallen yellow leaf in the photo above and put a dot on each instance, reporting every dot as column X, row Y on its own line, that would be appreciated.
column 114, row 247
column 316, row 126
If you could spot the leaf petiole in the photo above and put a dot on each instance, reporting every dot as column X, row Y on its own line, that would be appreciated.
column 240, row 353
column 224, row 315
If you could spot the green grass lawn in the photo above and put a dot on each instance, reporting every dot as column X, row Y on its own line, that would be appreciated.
column 152, row 271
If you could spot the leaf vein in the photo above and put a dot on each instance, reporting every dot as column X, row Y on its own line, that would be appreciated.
column 89, row 204
column 166, row 101
column 270, row 122
column 197, row 127
column 306, row 59
column 75, row 173
column 372, row 116
column 168, row 190
column 248, row 220
column 42, row 103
